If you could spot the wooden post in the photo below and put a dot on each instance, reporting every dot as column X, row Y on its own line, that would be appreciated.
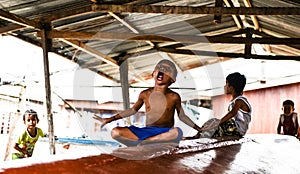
column 218, row 18
column 13, row 124
column 46, row 45
column 125, row 87
column 248, row 45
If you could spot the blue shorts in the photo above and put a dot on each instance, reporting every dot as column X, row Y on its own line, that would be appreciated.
column 150, row 131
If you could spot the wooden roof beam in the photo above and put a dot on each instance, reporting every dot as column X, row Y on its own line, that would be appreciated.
column 218, row 18
column 167, row 38
column 16, row 19
column 10, row 28
column 237, row 19
column 65, row 13
column 58, row 15
column 83, row 47
column 253, row 17
column 102, row 57
column 130, row 27
column 229, row 55
column 197, row 10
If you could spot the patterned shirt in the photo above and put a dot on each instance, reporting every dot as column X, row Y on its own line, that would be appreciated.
column 26, row 141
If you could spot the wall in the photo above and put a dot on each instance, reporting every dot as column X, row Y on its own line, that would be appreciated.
column 266, row 104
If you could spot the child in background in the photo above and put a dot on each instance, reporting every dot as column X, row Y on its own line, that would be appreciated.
column 288, row 120
column 26, row 141
column 236, row 122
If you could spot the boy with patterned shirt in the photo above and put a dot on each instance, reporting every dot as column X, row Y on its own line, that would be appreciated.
column 26, row 141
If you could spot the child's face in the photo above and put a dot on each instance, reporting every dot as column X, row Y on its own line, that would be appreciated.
column 227, row 88
column 288, row 109
column 164, row 72
column 30, row 121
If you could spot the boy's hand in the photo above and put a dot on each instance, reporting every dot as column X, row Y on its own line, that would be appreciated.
column 104, row 121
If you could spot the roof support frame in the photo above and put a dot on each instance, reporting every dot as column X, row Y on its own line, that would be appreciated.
column 167, row 38
column 237, row 19
column 229, row 55
column 218, row 18
column 19, row 20
column 197, row 10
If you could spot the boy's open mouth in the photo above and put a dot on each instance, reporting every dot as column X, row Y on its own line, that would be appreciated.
column 160, row 76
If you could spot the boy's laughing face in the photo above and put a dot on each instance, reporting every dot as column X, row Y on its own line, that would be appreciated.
column 163, row 71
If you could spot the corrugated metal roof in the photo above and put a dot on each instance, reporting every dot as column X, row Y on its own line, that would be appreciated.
column 104, row 39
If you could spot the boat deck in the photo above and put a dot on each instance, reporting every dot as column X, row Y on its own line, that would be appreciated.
column 252, row 154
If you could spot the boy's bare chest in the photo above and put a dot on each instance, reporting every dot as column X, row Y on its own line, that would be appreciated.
column 159, row 103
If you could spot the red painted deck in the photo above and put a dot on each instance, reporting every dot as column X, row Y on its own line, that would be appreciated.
column 253, row 154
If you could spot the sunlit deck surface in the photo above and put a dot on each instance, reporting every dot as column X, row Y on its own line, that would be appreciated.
column 252, row 154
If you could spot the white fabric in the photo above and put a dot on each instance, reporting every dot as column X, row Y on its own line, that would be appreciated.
column 242, row 118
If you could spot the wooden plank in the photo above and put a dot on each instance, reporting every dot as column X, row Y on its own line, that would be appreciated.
column 197, row 10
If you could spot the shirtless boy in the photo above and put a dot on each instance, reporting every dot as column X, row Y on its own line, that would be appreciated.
column 160, row 105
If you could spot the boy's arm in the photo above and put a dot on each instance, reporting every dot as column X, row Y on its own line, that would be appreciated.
column 41, row 133
column 17, row 147
column 123, row 114
column 182, row 116
column 126, row 113
column 297, row 126
column 279, row 128
column 238, row 104
column 131, row 111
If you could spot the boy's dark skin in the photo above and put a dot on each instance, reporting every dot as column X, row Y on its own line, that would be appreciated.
column 239, row 104
column 288, row 110
column 160, row 105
